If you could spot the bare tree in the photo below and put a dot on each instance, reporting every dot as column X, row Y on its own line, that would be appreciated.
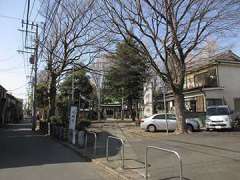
column 72, row 43
column 169, row 30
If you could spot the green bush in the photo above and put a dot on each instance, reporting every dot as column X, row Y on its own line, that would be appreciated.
column 82, row 125
column 56, row 120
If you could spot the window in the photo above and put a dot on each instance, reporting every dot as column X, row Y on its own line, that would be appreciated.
column 159, row 116
column 237, row 104
column 217, row 111
column 214, row 102
column 171, row 116
column 206, row 79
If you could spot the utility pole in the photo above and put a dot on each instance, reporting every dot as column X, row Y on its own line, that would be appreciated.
column 35, row 79
column 34, row 61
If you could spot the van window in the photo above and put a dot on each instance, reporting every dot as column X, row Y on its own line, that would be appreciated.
column 217, row 111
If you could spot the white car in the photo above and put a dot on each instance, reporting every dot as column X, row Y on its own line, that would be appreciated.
column 220, row 117
column 158, row 122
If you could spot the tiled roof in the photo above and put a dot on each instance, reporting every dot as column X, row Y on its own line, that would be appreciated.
column 227, row 56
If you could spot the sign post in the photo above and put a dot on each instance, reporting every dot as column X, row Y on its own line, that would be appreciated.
column 72, row 123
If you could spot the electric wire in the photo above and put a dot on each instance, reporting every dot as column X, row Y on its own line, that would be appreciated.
column 9, row 17
column 39, row 9
column 32, row 8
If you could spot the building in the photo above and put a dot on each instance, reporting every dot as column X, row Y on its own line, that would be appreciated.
column 3, row 94
column 210, row 81
column 11, row 108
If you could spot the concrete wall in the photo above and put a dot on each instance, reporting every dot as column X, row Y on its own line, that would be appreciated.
column 229, row 79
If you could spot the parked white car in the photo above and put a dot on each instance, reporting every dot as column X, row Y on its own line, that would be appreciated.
column 158, row 122
column 220, row 117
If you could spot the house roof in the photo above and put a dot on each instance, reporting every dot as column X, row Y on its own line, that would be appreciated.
column 224, row 57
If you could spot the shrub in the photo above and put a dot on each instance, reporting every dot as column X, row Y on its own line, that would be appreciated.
column 55, row 120
column 82, row 125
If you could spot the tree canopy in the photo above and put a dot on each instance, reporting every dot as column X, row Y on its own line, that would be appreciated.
column 127, row 74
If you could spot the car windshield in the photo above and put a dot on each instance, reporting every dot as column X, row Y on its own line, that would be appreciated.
column 217, row 111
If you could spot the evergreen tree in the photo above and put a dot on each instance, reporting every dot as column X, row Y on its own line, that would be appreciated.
column 127, row 75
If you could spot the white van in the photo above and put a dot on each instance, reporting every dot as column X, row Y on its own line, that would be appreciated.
column 219, row 117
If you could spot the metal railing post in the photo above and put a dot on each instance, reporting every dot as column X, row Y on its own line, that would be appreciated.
column 166, row 150
column 95, row 141
column 146, row 164
column 122, row 154
column 49, row 129
column 107, row 148
column 86, row 141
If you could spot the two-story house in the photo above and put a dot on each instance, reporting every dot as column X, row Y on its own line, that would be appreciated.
column 211, row 81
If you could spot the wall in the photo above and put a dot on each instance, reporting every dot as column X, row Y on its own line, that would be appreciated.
column 229, row 79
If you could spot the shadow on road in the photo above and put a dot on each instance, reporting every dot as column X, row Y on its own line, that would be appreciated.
column 115, row 146
column 20, row 147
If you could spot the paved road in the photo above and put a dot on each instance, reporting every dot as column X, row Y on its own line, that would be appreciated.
column 206, row 156
column 211, row 155
column 27, row 156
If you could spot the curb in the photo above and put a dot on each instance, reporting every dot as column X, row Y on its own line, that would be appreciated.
column 107, row 169
column 111, row 171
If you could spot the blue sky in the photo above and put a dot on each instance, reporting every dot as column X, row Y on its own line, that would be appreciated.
column 14, row 67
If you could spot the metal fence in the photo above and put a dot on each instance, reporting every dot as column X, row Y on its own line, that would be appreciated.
column 166, row 150
column 95, row 141
column 107, row 148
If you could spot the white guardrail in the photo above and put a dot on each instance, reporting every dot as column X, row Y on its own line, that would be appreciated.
column 166, row 150
column 95, row 141
column 107, row 148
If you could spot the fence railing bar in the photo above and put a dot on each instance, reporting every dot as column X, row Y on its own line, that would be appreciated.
column 166, row 150
column 107, row 148
column 95, row 141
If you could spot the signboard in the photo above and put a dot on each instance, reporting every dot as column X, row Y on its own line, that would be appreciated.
column 73, row 116
column 148, row 99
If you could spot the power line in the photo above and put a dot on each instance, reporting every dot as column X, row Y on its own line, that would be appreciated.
column 9, row 17
column 7, row 59
column 10, row 69
column 23, row 85
column 32, row 8
column 28, row 7
column 55, row 9
column 24, row 9
column 52, row 17
column 35, row 18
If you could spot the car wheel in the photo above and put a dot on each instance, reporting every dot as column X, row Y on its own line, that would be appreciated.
column 152, row 128
column 207, row 129
column 189, row 128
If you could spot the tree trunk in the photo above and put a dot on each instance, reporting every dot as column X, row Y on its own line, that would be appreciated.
column 52, row 96
column 179, row 110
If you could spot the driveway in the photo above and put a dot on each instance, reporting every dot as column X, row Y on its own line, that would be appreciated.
column 27, row 156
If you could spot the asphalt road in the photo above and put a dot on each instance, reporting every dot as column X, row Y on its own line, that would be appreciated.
column 27, row 156
column 205, row 155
